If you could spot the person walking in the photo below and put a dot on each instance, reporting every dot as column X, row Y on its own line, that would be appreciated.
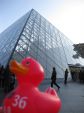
column 65, row 76
column 53, row 78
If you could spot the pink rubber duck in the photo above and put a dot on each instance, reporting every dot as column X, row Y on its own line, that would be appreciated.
column 27, row 98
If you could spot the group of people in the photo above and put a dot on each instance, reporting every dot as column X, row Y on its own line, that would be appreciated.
column 54, row 77
column 7, row 79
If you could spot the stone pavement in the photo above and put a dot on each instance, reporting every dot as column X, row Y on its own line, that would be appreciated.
column 71, row 95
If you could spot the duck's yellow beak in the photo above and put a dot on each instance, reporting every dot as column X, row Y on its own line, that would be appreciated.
column 17, row 68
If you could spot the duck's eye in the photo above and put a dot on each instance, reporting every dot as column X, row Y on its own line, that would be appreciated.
column 27, row 63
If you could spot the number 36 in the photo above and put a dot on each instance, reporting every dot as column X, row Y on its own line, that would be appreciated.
column 20, row 101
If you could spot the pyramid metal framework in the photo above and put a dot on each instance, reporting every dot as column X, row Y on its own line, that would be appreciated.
column 34, row 36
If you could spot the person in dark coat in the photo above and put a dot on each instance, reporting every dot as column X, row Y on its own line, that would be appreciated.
column 6, row 79
column 66, row 76
column 53, row 78
column 1, row 76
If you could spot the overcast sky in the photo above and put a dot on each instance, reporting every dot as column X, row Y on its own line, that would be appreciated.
column 66, row 15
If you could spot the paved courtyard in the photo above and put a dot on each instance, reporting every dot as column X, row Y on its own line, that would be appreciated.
column 71, row 95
